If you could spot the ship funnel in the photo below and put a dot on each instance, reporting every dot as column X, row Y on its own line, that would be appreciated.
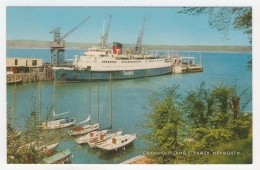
column 117, row 48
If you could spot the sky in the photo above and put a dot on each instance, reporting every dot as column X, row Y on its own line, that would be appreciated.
column 164, row 25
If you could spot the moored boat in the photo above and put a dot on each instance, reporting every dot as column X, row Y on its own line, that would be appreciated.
column 59, row 158
column 59, row 123
column 90, row 136
column 103, row 138
column 83, row 129
column 101, row 61
column 39, row 146
column 16, row 81
column 117, row 142
column 101, row 66
column 48, row 149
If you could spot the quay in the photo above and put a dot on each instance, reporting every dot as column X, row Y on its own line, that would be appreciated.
column 140, row 159
column 185, row 65
column 20, row 70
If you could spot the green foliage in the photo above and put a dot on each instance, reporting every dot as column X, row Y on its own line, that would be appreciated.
column 243, row 21
column 236, row 152
column 241, row 126
column 204, row 121
column 199, row 106
column 22, row 149
column 223, row 18
column 208, row 139
column 165, row 125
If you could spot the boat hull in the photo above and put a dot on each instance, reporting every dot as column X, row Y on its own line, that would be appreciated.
column 60, row 123
column 83, row 130
column 117, row 143
column 59, row 158
column 73, row 75
column 107, row 151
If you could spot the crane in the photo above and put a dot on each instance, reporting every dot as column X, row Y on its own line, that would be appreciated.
column 57, row 46
column 104, row 38
column 138, row 47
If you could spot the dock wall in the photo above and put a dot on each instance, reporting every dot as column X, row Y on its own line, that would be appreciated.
column 45, row 73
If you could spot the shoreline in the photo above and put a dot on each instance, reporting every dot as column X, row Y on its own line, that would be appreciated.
column 42, row 44
column 202, row 51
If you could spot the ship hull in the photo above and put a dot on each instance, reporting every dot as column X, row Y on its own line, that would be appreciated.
column 73, row 75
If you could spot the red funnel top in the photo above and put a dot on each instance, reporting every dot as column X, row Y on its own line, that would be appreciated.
column 117, row 48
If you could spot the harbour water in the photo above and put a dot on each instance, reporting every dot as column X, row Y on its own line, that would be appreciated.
column 130, row 98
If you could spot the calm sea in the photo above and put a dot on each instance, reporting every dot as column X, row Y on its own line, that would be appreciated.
column 129, row 98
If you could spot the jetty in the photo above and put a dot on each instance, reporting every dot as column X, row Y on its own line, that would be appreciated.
column 20, row 70
column 185, row 65
column 140, row 159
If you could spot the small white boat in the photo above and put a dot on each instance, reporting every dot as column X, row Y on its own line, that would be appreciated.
column 103, row 138
column 48, row 149
column 57, row 122
column 14, row 135
column 60, row 158
column 38, row 145
column 60, row 123
column 16, row 81
column 90, row 136
column 117, row 142
column 83, row 129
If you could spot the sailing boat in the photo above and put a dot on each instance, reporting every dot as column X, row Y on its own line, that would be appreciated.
column 98, row 136
column 60, row 122
column 116, row 140
column 81, row 130
column 90, row 136
column 59, row 158
column 104, row 137
column 47, row 149
column 37, row 145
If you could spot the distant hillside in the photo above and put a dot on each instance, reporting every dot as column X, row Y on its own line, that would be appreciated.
column 73, row 45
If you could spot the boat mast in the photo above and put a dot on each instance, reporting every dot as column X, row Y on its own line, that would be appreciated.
column 14, row 103
column 89, row 96
column 98, row 102
column 110, row 100
column 46, row 130
column 200, row 59
column 40, row 100
column 53, row 95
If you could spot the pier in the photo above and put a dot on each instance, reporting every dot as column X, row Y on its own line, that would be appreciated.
column 185, row 65
column 46, row 74
column 140, row 159
column 20, row 70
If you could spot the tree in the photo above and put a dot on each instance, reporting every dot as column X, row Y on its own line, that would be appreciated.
column 225, row 18
column 23, row 149
column 165, row 125
column 223, row 101
column 202, row 121
column 198, row 106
